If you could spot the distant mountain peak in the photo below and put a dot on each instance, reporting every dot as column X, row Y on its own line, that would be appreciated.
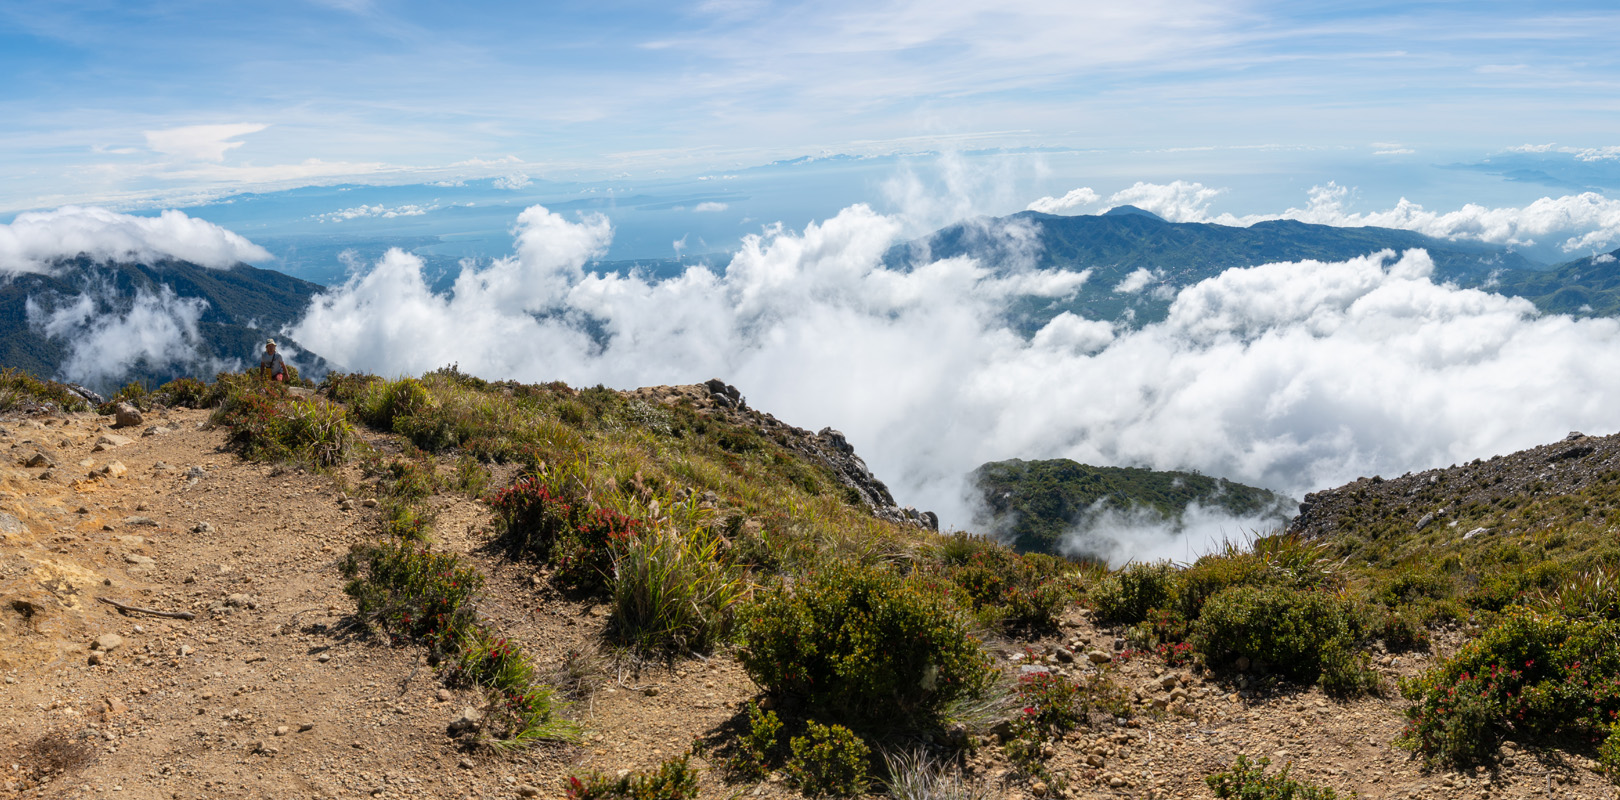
column 1130, row 210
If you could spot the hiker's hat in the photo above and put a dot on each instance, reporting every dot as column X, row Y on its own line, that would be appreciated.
column 270, row 343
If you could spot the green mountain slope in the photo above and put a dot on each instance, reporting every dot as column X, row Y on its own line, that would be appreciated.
column 244, row 305
column 1033, row 503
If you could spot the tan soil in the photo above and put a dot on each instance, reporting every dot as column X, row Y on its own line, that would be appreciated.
column 267, row 693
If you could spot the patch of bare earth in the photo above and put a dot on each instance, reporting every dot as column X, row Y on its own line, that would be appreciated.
column 271, row 691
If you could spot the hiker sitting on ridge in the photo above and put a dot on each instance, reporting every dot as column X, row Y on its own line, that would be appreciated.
column 270, row 364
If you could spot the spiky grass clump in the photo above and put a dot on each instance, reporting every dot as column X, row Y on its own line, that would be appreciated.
column 916, row 775
column 674, row 593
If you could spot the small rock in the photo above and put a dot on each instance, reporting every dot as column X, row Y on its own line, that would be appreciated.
column 185, row 650
column 241, row 601
column 466, row 763
column 40, row 460
column 469, row 720
column 108, row 642
column 304, row 727
column 202, row 527
column 1242, row 664
column 1064, row 655
column 139, row 563
column 109, row 441
column 127, row 416
column 146, row 521
column 346, row 505
column 1038, row 788
column 95, row 657
column 444, row 695
column 369, row 502
column 254, row 659
column 650, row 691
column 324, row 657
column 115, row 706
column 112, row 469
column 526, row 790
column 281, row 730
column 1099, row 657
column 1116, row 782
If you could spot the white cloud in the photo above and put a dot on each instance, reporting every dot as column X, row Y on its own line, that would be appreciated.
column 1290, row 376
column 33, row 240
column 1395, row 151
column 1178, row 201
column 1076, row 198
column 1137, row 281
column 107, row 335
column 200, row 142
column 375, row 212
column 513, row 182
column 1143, row 534
column 1603, row 258
column 709, row 206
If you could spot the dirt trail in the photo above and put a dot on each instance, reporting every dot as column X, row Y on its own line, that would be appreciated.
column 266, row 693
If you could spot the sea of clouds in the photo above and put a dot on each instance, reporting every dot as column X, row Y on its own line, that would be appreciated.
column 1295, row 377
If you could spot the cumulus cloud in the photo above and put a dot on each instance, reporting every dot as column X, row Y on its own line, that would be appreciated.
column 108, row 335
column 513, row 182
column 33, row 240
column 1137, row 281
column 200, row 142
column 1290, row 376
column 375, row 212
column 1177, row 201
column 709, row 206
column 1077, row 198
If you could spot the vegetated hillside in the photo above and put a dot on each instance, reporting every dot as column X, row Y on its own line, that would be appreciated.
column 1562, row 499
column 244, row 305
column 445, row 586
column 1585, row 287
column 1116, row 244
column 1032, row 504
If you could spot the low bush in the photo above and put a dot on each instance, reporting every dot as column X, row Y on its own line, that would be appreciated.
column 265, row 424
column 421, row 596
column 1609, row 753
column 674, row 593
column 1128, row 595
column 18, row 388
column 1298, row 633
column 864, row 643
column 1005, row 589
column 760, row 749
column 829, row 760
column 184, row 392
column 1249, row 781
column 1532, row 675
column 675, row 779
column 542, row 517
column 412, row 592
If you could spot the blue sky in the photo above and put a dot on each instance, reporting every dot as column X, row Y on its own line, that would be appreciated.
column 166, row 103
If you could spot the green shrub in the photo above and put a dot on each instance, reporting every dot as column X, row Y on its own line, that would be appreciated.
column 1004, row 589
column 1609, row 752
column 184, row 392
column 541, row 516
column 383, row 403
column 18, row 388
column 1296, row 632
column 266, row 425
column 412, row 591
column 408, row 522
column 1246, row 781
column 674, row 592
column 471, row 478
column 408, row 479
column 674, row 780
column 760, row 748
column 829, row 760
column 427, row 597
column 863, row 642
column 1128, row 595
column 1531, row 675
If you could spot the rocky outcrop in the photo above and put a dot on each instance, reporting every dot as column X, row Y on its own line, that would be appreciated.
column 1436, row 496
column 716, row 398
